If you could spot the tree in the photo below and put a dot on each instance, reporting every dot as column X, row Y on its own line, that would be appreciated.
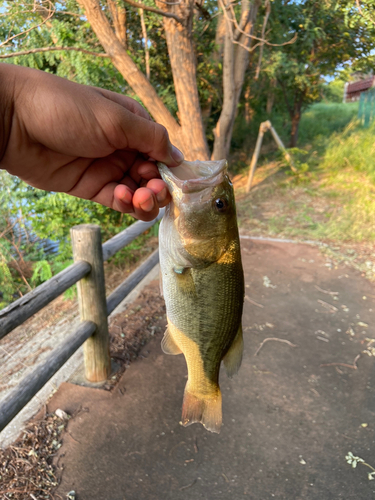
column 326, row 41
column 68, row 25
column 236, row 53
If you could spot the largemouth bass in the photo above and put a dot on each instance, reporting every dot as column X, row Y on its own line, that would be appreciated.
column 202, row 283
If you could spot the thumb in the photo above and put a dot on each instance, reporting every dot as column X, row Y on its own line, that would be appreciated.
column 157, row 144
column 140, row 133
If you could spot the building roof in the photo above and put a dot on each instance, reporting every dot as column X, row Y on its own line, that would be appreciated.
column 361, row 85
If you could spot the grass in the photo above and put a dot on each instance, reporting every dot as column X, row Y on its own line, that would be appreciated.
column 331, row 198
column 321, row 120
column 353, row 149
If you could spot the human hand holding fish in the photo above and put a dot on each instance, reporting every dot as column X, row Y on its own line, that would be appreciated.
column 202, row 283
column 88, row 142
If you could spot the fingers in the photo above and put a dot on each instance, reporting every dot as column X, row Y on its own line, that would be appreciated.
column 145, row 202
column 160, row 190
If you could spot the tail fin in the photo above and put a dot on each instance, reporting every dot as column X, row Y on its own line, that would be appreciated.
column 205, row 409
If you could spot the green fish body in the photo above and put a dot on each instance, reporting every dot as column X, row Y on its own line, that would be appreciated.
column 202, row 283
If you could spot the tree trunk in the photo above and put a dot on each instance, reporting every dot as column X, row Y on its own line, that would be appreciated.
column 183, row 63
column 296, row 117
column 235, row 62
column 271, row 96
column 294, row 132
column 189, row 137
column 216, row 57
column 118, row 14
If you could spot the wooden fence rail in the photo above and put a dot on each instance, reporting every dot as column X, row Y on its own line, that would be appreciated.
column 88, row 272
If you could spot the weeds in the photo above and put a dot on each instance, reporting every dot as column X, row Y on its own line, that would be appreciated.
column 353, row 461
column 330, row 195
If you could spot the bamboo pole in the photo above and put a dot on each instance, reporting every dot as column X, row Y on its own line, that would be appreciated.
column 264, row 126
column 86, row 242
column 280, row 144
column 254, row 160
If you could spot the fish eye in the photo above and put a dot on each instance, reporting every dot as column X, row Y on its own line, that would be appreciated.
column 221, row 204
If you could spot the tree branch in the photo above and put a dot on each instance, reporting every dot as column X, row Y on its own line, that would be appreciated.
column 170, row 3
column 51, row 49
column 363, row 14
column 140, row 5
column 119, row 20
column 265, row 20
column 145, row 38
column 50, row 12
column 261, row 41
column 204, row 11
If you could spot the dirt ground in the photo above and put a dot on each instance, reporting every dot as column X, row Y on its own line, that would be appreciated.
column 304, row 398
column 296, row 212
column 303, row 401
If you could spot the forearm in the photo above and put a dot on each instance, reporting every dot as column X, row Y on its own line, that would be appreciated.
column 7, row 89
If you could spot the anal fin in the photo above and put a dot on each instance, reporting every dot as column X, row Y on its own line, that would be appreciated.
column 233, row 358
column 168, row 344
column 161, row 283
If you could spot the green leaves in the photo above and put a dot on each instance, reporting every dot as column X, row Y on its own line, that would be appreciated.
column 27, row 214
column 331, row 36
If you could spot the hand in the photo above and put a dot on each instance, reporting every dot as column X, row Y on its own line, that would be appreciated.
column 91, row 143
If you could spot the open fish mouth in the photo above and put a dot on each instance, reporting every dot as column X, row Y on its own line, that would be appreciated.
column 193, row 176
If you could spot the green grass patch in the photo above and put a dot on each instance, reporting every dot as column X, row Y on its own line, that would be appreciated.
column 331, row 194
column 353, row 149
column 323, row 119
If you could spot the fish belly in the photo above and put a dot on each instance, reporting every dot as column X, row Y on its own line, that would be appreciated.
column 204, row 308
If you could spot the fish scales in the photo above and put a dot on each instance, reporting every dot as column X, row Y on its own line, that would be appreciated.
column 206, row 317
column 203, row 284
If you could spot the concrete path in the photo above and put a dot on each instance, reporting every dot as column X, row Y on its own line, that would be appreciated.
column 289, row 422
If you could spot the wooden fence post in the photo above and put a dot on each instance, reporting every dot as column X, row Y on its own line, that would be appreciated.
column 87, row 245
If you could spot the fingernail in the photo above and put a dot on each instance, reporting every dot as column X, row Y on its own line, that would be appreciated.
column 147, row 205
column 161, row 195
column 176, row 154
column 127, row 198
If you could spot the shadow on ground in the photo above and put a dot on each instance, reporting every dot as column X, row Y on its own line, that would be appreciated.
column 288, row 421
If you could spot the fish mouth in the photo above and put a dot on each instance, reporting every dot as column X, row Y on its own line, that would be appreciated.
column 193, row 176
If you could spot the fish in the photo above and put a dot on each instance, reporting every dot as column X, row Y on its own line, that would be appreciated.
column 202, row 283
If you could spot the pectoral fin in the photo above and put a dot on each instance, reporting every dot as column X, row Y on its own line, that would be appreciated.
column 168, row 344
column 233, row 358
column 185, row 280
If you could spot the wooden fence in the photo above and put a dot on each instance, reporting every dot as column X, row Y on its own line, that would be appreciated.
column 88, row 272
